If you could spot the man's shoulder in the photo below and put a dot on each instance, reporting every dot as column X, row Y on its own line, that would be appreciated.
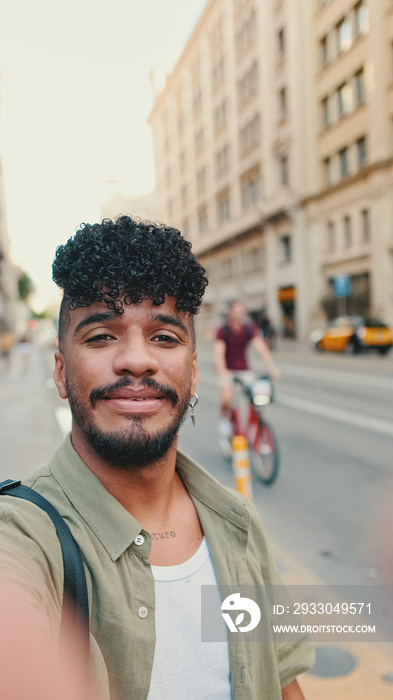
column 222, row 499
column 29, row 547
column 19, row 513
column 223, row 332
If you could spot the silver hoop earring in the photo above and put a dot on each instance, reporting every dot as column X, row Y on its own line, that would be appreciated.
column 192, row 403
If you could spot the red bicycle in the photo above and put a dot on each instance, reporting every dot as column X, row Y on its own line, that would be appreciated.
column 246, row 418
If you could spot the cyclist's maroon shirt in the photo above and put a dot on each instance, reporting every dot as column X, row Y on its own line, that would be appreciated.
column 236, row 343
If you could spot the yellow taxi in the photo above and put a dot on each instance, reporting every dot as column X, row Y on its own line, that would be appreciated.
column 353, row 334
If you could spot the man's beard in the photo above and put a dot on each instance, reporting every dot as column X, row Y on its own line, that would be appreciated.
column 134, row 447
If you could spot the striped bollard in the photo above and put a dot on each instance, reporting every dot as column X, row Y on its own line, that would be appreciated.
column 241, row 465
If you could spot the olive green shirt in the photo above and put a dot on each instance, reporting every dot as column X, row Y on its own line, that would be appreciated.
column 120, row 581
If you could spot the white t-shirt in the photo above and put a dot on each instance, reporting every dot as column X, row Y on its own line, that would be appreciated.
column 184, row 667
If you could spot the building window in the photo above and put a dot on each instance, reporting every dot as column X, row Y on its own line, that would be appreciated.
column 347, row 232
column 284, row 170
column 223, row 208
column 246, row 34
column 216, row 35
column 331, row 236
column 362, row 24
column 360, row 90
column 281, row 41
column 185, row 229
column 327, row 171
column 199, row 140
column 203, row 223
column 247, row 84
column 365, row 219
column 361, row 145
column 168, row 177
column 250, row 190
column 286, row 248
column 343, row 36
column 249, row 135
column 343, row 157
column 220, row 116
column 326, row 112
column 226, row 269
column 324, row 51
column 283, row 102
column 201, row 179
column 182, row 161
column 222, row 160
column 218, row 73
column 345, row 100
column 252, row 260
column 197, row 102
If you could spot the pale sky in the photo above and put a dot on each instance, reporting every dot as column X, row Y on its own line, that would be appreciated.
column 75, row 95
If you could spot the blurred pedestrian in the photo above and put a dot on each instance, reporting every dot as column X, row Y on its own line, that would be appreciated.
column 6, row 345
column 230, row 356
column 25, row 349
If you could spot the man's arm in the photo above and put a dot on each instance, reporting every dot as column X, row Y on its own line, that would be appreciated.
column 259, row 344
column 219, row 358
column 292, row 692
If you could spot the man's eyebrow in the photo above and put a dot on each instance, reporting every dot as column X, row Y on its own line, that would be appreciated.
column 98, row 317
column 169, row 320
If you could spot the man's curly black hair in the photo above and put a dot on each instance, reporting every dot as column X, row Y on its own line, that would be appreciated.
column 126, row 261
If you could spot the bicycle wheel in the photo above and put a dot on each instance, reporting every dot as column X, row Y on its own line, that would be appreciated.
column 264, row 454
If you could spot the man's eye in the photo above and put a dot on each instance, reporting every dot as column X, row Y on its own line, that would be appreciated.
column 98, row 338
column 162, row 338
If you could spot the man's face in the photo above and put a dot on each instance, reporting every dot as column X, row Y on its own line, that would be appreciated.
column 128, row 378
column 237, row 312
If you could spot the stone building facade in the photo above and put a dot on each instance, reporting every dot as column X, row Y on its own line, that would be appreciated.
column 273, row 146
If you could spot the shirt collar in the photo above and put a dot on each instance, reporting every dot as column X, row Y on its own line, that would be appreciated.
column 204, row 487
column 111, row 523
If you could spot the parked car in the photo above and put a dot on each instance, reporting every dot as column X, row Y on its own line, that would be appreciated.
column 353, row 334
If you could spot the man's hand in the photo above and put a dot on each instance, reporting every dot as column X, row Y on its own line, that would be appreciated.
column 275, row 373
column 292, row 692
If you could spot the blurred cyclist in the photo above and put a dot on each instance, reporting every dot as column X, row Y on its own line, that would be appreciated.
column 230, row 356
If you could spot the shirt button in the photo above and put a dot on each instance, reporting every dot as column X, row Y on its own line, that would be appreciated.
column 139, row 540
column 142, row 612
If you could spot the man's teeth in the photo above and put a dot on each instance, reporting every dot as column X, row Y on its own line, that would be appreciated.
column 143, row 398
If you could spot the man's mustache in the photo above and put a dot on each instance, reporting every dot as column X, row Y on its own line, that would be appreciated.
column 105, row 392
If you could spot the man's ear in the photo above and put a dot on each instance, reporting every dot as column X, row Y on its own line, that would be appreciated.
column 59, row 374
column 194, row 372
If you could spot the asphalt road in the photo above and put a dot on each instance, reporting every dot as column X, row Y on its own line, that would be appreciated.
column 333, row 416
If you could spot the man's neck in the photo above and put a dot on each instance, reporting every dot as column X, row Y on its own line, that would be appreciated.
column 141, row 491
column 236, row 325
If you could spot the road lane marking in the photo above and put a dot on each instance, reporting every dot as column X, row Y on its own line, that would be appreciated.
column 358, row 420
column 352, row 378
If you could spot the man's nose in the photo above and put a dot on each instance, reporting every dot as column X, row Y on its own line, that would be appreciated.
column 135, row 355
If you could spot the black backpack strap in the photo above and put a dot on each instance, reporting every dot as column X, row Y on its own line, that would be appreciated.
column 75, row 587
